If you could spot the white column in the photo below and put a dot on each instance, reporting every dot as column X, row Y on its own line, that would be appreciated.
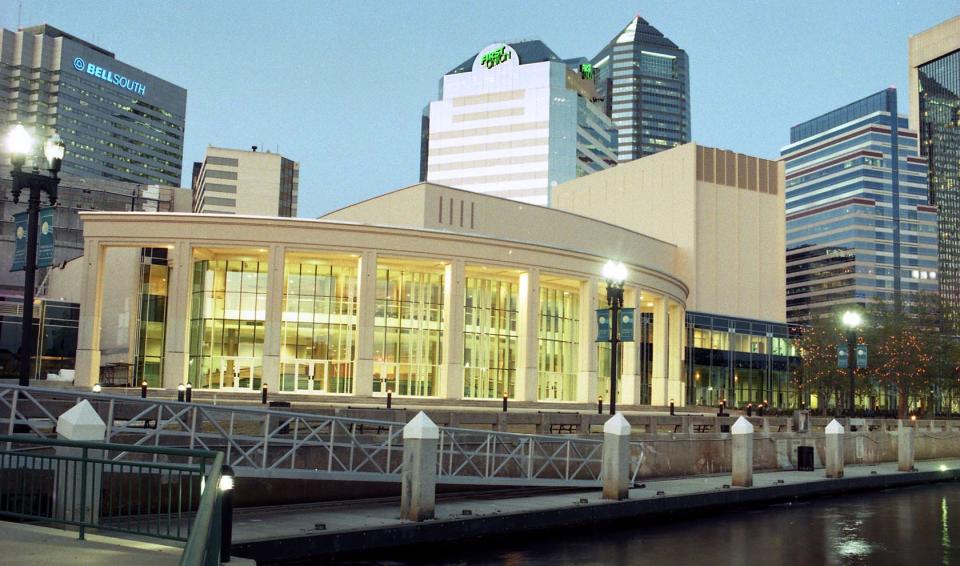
column 587, row 375
column 676, row 387
column 742, row 457
column 905, row 447
column 82, row 424
column 363, row 367
column 176, row 346
column 528, row 338
column 451, row 373
column 418, row 481
column 630, row 379
column 834, row 449
column 616, row 458
column 91, row 306
column 273, row 325
column 658, row 380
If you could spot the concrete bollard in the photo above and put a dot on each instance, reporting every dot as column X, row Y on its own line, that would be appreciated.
column 74, row 501
column 419, row 477
column 905, row 448
column 742, row 465
column 834, row 449
column 616, row 458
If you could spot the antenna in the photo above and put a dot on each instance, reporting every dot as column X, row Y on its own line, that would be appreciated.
column 20, row 15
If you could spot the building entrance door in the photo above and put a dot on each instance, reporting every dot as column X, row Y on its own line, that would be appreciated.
column 243, row 374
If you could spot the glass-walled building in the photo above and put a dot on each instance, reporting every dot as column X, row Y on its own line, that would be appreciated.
column 55, row 329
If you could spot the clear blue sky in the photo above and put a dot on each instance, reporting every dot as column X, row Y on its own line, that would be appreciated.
column 340, row 85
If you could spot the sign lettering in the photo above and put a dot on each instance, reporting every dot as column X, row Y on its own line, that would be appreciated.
column 109, row 76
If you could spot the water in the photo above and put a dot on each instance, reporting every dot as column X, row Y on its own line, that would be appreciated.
column 917, row 526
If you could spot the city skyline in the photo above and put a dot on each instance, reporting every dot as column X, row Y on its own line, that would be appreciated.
column 344, row 75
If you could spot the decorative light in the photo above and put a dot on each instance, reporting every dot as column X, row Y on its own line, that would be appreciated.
column 851, row 319
column 18, row 141
column 614, row 271
column 97, row 388
column 54, row 150
column 226, row 483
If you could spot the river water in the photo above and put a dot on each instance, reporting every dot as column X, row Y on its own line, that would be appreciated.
column 918, row 526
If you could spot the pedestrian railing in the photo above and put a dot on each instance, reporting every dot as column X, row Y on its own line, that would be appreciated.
column 155, row 491
column 274, row 443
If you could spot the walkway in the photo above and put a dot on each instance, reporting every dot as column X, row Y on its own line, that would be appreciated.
column 304, row 531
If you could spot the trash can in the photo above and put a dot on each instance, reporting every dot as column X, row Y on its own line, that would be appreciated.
column 285, row 429
column 805, row 458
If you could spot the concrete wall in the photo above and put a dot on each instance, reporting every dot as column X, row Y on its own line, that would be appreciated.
column 723, row 211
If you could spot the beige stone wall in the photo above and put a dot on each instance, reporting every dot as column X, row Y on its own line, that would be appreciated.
column 724, row 212
column 924, row 47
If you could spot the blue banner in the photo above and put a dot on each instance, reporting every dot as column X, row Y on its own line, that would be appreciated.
column 45, row 251
column 603, row 325
column 843, row 356
column 20, row 235
column 861, row 356
column 626, row 325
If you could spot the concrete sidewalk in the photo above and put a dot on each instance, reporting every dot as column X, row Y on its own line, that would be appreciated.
column 306, row 531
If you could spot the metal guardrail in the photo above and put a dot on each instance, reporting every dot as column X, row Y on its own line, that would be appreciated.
column 75, row 483
column 272, row 443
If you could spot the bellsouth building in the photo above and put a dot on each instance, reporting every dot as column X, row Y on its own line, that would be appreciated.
column 117, row 121
column 515, row 120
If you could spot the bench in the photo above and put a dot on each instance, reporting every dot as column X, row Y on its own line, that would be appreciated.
column 563, row 428
column 702, row 428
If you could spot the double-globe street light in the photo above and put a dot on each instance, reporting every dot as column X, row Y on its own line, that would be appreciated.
column 614, row 273
column 20, row 144
column 851, row 321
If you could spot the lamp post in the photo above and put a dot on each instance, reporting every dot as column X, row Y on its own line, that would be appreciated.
column 19, row 144
column 852, row 321
column 614, row 274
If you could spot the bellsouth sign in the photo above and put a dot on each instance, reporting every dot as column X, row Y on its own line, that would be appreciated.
column 109, row 76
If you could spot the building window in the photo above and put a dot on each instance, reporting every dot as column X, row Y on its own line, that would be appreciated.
column 154, row 274
column 319, row 334
column 559, row 341
column 408, row 332
column 489, row 338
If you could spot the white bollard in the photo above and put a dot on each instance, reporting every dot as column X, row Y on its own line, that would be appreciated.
column 834, row 449
column 74, row 501
column 616, row 458
column 742, row 465
column 419, row 477
column 905, row 448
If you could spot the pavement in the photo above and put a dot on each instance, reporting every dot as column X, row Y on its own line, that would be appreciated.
column 31, row 545
column 313, row 530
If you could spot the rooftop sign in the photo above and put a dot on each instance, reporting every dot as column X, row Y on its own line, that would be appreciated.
column 495, row 55
column 109, row 76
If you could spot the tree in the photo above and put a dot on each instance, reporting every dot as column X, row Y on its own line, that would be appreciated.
column 818, row 351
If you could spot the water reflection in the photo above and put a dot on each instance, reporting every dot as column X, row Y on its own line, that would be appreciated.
column 905, row 526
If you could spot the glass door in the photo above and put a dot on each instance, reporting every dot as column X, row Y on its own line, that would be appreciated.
column 243, row 374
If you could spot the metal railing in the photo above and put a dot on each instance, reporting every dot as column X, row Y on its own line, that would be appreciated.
column 272, row 443
column 78, row 484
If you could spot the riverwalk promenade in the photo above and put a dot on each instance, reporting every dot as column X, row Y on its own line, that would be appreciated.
column 302, row 532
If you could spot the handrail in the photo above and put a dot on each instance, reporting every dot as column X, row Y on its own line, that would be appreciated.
column 203, row 545
column 110, row 446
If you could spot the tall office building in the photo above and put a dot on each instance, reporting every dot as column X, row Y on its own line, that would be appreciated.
column 514, row 121
column 859, row 223
column 644, row 79
column 117, row 121
column 237, row 181
column 935, row 114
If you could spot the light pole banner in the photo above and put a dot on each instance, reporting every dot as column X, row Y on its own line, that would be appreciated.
column 45, row 238
column 843, row 356
column 603, row 325
column 20, row 235
column 861, row 356
column 627, row 324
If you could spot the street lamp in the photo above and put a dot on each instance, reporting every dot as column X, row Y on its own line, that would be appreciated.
column 614, row 273
column 852, row 321
column 19, row 144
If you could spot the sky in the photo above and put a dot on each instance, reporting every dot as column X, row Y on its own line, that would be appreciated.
column 339, row 86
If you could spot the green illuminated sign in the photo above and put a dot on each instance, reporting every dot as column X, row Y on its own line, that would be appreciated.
column 586, row 71
column 491, row 59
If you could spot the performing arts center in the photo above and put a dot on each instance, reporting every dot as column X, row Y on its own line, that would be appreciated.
column 435, row 292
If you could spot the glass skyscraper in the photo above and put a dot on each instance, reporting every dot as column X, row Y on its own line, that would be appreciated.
column 117, row 121
column 859, row 223
column 935, row 113
column 644, row 79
